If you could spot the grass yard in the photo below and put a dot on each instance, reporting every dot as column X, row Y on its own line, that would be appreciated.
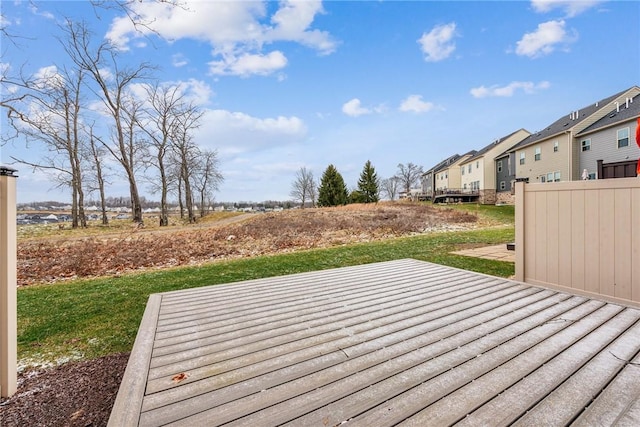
column 85, row 319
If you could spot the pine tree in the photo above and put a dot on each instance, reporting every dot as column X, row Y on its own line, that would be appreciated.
column 333, row 191
column 368, row 184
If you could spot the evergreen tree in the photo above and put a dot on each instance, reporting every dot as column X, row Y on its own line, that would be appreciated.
column 356, row 197
column 368, row 184
column 333, row 191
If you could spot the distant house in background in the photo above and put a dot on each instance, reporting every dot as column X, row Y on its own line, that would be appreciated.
column 448, row 176
column 448, row 185
column 553, row 154
column 478, row 172
column 427, row 179
column 607, row 147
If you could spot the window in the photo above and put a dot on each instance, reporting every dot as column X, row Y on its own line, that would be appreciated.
column 537, row 156
column 623, row 137
column 522, row 158
column 550, row 177
column 592, row 176
column 586, row 144
column 503, row 185
column 477, row 164
column 499, row 165
column 469, row 167
column 462, row 170
column 543, row 178
column 556, row 176
column 464, row 187
column 555, row 147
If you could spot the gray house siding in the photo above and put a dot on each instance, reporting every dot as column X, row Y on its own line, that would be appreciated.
column 604, row 146
column 507, row 174
column 427, row 184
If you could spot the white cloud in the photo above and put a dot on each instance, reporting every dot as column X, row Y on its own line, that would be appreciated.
column 237, row 31
column 191, row 91
column 545, row 39
column 354, row 108
column 34, row 9
column 508, row 90
column 292, row 22
column 234, row 133
column 438, row 43
column 178, row 60
column 48, row 77
column 415, row 104
column 248, row 64
column 570, row 7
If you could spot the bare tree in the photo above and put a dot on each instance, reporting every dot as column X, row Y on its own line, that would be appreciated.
column 49, row 112
column 186, row 151
column 389, row 187
column 96, row 155
column 303, row 187
column 207, row 177
column 112, row 88
column 127, row 6
column 408, row 175
column 158, row 124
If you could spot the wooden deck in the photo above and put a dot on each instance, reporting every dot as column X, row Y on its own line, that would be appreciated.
column 402, row 342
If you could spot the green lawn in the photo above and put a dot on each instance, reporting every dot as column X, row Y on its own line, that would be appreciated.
column 85, row 319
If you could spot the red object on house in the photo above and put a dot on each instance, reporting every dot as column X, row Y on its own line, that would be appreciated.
column 638, row 142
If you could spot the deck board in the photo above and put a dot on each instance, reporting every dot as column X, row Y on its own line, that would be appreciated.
column 399, row 342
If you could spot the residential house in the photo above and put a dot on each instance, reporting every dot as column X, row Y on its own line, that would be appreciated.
column 448, row 177
column 608, row 148
column 552, row 154
column 505, row 177
column 427, row 178
column 478, row 172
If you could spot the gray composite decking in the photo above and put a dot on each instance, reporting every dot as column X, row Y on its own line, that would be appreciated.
column 402, row 342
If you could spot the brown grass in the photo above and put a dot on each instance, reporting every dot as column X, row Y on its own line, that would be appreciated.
column 50, row 260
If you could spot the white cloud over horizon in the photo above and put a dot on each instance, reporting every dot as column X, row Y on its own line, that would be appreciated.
column 570, row 7
column 234, row 133
column 547, row 37
column 509, row 90
column 415, row 104
column 354, row 108
column 238, row 32
column 438, row 44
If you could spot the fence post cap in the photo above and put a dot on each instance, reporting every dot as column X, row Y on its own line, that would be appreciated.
column 7, row 171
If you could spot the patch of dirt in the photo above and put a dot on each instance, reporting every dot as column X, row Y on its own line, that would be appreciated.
column 82, row 393
column 76, row 394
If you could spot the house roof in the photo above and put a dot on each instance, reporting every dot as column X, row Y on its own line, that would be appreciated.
column 443, row 164
column 567, row 122
column 484, row 150
column 626, row 112
column 459, row 160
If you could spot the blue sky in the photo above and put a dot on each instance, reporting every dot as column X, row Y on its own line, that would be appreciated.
column 286, row 85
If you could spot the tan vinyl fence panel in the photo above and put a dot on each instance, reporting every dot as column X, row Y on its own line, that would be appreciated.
column 582, row 235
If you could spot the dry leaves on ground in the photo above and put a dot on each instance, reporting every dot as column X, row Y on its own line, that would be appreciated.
column 50, row 260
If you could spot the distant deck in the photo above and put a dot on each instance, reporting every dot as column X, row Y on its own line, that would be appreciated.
column 401, row 342
column 455, row 195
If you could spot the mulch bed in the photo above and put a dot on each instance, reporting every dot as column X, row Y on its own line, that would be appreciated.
column 76, row 394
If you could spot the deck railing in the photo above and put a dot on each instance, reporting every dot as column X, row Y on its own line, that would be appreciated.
column 454, row 191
